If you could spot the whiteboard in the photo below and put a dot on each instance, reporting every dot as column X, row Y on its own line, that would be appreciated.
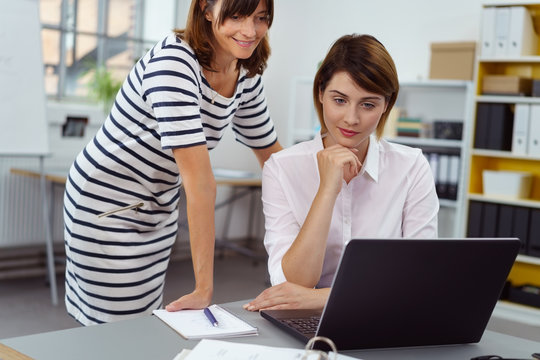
column 23, row 125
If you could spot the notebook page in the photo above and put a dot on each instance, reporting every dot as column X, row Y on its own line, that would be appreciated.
column 223, row 350
column 193, row 324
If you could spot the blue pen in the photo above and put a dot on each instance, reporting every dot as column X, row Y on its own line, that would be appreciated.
column 210, row 316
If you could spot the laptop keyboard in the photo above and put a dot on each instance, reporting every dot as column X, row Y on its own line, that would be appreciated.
column 304, row 325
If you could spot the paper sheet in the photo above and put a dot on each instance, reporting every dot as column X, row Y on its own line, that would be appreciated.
column 224, row 350
column 193, row 324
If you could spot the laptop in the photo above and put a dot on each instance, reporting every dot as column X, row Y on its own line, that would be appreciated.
column 408, row 292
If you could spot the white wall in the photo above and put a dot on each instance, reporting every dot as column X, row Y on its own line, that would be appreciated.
column 303, row 31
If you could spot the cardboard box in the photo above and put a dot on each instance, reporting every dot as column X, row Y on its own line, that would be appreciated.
column 452, row 60
column 506, row 85
column 507, row 184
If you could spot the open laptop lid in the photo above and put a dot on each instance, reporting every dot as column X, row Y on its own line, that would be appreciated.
column 411, row 292
column 415, row 292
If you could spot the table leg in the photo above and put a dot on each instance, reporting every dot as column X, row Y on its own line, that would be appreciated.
column 48, row 234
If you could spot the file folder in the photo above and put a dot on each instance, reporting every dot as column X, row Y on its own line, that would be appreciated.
column 442, row 184
column 490, row 214
column 534, row 131
column 482, row 126
column 500, row 125
column 453, row 176
column 506, row 221
column 521, row 129
column 474, row 225
column 522, row 39
column 521, row 226
column 487, row 48
column 502, row 30
column 533, row 247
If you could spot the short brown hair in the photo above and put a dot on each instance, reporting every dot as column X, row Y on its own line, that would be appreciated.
column 198, row 32
column 368, row 63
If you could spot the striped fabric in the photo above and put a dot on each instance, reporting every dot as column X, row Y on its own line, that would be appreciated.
column 116, row 264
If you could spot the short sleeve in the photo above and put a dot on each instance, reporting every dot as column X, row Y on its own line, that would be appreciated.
column 171, row 87
column 252, row 124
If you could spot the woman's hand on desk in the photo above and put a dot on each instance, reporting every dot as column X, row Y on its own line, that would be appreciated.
column 288, row 295
column 195, row 300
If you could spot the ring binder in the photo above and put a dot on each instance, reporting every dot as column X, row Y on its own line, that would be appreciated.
column 322, row 354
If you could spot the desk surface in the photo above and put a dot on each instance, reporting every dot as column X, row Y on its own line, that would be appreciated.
column 149, row 338
column 55, row 176
column 59, row 176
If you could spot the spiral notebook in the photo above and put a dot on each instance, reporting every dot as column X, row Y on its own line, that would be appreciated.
column 193, row 324
column 408, row 292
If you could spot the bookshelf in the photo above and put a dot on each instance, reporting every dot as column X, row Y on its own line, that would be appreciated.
column 440, row 100
column 489, row 215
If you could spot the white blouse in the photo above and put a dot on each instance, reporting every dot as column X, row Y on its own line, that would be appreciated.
column 393, row 196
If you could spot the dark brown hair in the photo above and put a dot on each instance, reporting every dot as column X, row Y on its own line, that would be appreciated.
column 198, row 32
column 368, row 63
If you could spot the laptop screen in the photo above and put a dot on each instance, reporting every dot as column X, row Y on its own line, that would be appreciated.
column 415, row 292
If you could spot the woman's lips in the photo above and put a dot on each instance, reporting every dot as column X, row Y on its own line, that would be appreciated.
column 347, row 133
column 245, row 44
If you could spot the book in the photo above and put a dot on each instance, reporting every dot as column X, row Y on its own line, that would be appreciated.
column 193, row 324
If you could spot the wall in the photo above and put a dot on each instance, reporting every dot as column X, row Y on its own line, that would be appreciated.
column 303, row 30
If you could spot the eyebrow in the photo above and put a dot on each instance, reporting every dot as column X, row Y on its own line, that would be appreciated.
column 374, row 97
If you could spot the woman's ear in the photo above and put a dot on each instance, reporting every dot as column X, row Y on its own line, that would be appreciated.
column 204, row 8
column 321, row 93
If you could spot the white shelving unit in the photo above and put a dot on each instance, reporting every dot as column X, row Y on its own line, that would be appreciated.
column 303, row 121
column 526, row 269
column 448, row 100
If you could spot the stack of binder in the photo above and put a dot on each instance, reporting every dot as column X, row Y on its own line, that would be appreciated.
column 508, row 128
column 487, row 219
column 494, row 124
column 507, row 31
column 446, row 172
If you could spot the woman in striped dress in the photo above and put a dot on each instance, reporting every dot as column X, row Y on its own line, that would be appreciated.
column 121, row 198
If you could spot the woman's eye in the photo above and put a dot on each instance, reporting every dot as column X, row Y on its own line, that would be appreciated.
column 339, row 100
column 235, row 17
column 368, row 105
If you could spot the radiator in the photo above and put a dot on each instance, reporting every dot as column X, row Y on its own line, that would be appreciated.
column 21, row 210
column 21, row 205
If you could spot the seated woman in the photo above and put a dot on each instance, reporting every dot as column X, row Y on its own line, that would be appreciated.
column 346, row 183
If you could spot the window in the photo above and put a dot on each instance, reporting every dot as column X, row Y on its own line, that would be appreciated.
column 79, row 36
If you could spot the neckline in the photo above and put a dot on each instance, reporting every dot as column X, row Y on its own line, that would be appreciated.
column 214, row 94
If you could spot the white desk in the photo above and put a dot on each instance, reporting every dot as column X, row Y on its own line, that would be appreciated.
column 149, row 338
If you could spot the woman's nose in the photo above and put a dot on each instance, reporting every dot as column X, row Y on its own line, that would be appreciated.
column 352, row 116
column 248, row 28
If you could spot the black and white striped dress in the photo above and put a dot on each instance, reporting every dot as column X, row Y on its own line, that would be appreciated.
column 116, row 264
